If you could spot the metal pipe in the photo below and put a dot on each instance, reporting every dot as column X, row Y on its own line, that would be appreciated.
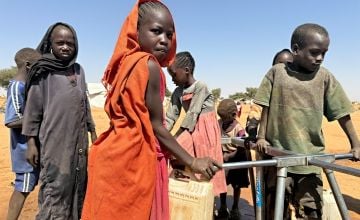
column 343, row 156
column 337, row 194
column 335, row 167
column 280, row 193
column 252, row 179
column 260, row 206
column 247, row 164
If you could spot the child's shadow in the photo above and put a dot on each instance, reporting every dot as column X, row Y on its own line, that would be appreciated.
column 246, row 209
column 352, row 204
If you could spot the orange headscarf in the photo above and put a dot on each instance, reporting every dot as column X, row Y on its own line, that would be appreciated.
column 122, row 162
column 127, row 44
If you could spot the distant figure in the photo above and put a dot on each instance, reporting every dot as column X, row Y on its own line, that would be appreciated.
column 294, row 97
column 128, row 176
column 238, row 178
column 283, row 56
column 238, row 109
column 26, row 176
column 199, row 132
column 57, row 120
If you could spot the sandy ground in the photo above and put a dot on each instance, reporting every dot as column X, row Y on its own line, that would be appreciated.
column 336, row 142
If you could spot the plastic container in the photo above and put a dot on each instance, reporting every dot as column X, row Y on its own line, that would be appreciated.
column 190, row 200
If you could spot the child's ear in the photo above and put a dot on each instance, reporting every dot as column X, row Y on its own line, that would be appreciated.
column 27, row 65
column 295, row 49
column 187, row 70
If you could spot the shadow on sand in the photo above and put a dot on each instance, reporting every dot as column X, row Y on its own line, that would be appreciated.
column 352, row 203
column 246, row 209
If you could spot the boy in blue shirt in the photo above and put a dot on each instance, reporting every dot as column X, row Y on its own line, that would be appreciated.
column 26, row 176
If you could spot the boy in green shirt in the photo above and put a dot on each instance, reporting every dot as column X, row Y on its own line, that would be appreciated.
column 295, row 97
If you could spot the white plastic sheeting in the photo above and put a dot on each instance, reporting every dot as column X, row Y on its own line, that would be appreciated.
column 96, row 94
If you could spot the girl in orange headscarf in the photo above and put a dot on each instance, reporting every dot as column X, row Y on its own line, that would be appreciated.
column 127, row 164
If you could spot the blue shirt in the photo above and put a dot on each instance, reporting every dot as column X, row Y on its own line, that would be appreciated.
column 14, row 111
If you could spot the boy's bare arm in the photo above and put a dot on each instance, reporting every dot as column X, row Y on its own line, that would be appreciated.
column 349, row 129
column 261, row 142
column 32, row 153
column 15, row 124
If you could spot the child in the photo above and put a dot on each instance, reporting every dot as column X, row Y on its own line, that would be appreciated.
column 127, row 165
column 295, row 96
column 26, row 176
column 56, row 121
column 199, row 132
column 283, row 56
column 238, row 109
column 238, row 178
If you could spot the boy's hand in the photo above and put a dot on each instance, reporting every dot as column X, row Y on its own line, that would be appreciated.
column 32, row 155
column 261, row 145
column 205, row 166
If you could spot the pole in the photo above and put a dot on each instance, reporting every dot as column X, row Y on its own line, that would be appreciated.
column 259, row 214
column 252, row 179
column 335, row 167
column 280, row 193
column 337, row 194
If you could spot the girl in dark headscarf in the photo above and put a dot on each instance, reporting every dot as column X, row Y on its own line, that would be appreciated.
column 57, row 118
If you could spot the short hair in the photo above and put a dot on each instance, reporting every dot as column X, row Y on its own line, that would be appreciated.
column 226, row 108
column 299, row 34
column 185, row 59
column 26, row 55
column 147, row 8
column 280, row 52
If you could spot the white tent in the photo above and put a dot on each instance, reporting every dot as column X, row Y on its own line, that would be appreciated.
column 2, row 92
column 96, row 93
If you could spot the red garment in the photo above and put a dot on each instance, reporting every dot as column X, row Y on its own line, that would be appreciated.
column 123, row 167
column 160, row 207
column 205, row 141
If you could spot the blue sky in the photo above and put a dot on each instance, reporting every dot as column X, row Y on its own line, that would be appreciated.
column 233, row 41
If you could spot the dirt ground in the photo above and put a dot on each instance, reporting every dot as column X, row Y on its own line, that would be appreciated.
column 336, row 142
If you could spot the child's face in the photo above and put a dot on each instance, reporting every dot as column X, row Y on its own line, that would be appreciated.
column 178, row 75
column 228, row 119
column 312, row 54
column 155, row 34
column 63, row 43
column 284, row 57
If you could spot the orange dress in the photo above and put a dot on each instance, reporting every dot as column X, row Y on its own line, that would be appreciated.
column 124, row 161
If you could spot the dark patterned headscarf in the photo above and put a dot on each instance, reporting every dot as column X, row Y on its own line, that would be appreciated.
column 48, row 62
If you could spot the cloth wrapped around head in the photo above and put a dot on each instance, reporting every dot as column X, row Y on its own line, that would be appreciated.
column 127, row 44
column 48, row 62
column 125, row 157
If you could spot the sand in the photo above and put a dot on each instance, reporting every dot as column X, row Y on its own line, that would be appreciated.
column 336, row 142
